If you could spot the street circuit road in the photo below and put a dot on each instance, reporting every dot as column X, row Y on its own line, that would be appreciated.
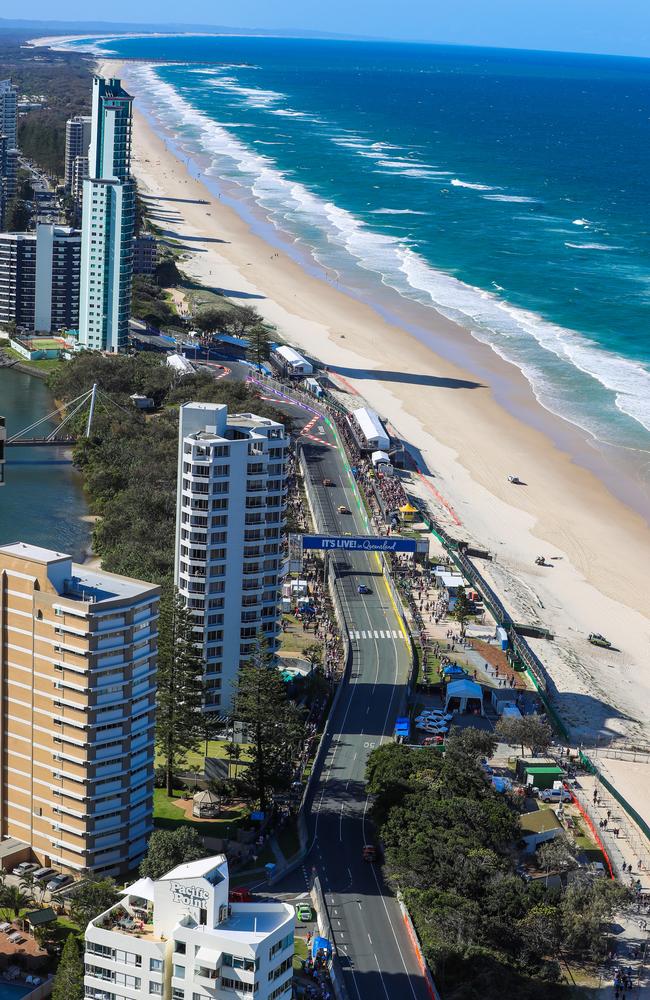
column 375, row 951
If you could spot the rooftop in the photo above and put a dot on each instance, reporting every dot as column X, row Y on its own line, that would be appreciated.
column 33, row 553
column 81, row 583
column 202, row 868
column 97, row 585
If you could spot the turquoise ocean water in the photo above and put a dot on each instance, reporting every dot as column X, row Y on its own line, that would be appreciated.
column 509, row 190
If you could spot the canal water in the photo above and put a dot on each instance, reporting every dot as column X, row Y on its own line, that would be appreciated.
column 42, row 501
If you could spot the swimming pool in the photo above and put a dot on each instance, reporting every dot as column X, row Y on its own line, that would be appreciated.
column 14, row 991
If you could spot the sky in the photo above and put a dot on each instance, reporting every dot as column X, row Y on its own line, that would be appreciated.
column 610, row 26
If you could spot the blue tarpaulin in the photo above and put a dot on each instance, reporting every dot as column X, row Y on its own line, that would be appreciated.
column 402, row 726
column 321, row 944
column 452, row 668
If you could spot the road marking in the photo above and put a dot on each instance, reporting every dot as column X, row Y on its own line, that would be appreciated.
column 370, row 939
column 388, row 633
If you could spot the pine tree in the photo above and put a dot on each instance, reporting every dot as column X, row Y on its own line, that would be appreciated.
column 69, row 980
column 258, row 345
column 179, row 725
column 274, row 724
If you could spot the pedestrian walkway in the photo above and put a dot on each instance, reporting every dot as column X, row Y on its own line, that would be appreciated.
column 374, row 633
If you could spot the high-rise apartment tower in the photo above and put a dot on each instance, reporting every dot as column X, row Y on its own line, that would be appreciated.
column 108, row 221
column 230, row 519
column 77, row 143
column 78, row 650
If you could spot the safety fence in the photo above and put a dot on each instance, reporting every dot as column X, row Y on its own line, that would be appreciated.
column 588, row 763
column 417, row 948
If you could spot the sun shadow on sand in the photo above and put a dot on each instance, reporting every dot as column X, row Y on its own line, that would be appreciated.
column 185, row 201
column 378, row 375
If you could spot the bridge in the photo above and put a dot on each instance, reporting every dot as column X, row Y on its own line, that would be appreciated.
column 60, row 436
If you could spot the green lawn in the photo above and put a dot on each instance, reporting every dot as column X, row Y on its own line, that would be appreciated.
column 295, row 640
column 217, row 749
column 47, row 365
column 300, row 953
column 168, row 816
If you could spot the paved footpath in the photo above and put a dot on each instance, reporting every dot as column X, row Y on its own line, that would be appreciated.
column 632, row 941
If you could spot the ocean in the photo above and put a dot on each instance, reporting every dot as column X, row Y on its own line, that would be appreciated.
column 508, row 190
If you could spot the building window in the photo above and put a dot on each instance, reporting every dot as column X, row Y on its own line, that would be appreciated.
column 179, row 971
column 156, row 988
column 156, row 964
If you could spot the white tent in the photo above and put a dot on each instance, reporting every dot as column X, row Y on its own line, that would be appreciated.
column 293, row 361
column 464, row 696
column 372, row 429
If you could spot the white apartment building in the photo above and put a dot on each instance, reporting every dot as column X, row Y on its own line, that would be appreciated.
column 230, row 521
column 77, row 143
column 78, row 652
column 9, row 112
column 180, row 938
column 108, row 222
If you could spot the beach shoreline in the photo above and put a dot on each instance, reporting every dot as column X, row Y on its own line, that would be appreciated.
column 462, row 437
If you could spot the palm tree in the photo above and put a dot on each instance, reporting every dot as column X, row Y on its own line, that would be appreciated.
column 13, row 899
column 28, row 885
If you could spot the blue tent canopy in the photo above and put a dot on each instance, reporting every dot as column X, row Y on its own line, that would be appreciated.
column 452, row 668
column 321, row 944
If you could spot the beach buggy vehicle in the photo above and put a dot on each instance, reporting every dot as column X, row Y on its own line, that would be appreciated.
column 362, row 589
column 328, row 482
column 599, row 640
column 515, row 480
column 342, row 509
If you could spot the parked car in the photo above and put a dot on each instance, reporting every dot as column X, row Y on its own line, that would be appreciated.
column 44, row 874
column 24, row 868
column 433, row 741
column 362, row 589
column 434, row 717
column 555, row 795
column 58, row 882
column 304, row 913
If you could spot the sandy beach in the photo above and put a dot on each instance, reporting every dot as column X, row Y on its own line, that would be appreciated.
column 464, row 440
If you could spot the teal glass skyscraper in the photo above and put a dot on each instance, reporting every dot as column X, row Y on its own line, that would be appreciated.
column 108, row 222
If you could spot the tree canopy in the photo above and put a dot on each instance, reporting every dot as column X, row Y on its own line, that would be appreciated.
column 169, row 848
column 69, row 979
column 530, row 731
column 274, row 724
column 179, row 698
column 449, row 839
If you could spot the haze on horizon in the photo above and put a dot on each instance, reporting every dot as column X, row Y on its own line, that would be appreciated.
column 597, row 26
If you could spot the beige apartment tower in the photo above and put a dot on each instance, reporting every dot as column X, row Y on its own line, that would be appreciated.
column 78, row 652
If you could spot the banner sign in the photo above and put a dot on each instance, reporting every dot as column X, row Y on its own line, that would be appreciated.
column 359, row 543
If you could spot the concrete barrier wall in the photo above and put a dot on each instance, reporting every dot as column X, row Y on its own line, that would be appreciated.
column 325, row 929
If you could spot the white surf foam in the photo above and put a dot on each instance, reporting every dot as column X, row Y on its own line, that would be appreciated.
column 590, row 246
column 396, row 211
column 517, row 199
column 472, row 187
column 549, row 355
column 254, row 97
column 580, row 222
